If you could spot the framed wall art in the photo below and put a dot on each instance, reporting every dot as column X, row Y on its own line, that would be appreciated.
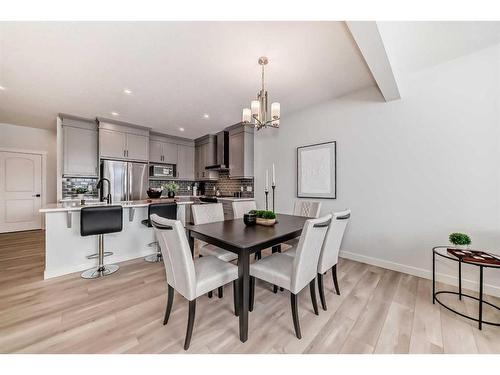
column 317, row 171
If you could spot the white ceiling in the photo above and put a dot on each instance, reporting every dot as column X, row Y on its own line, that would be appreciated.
column 177, row 70
column 417, row 45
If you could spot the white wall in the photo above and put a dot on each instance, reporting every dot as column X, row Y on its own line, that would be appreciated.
column 33, row 139
column 412, row 170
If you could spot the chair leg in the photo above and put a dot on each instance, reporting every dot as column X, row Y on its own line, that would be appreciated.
column 220, row 292
column 252, row 293
column 170, row 302
column 236, row 298
column 295, row 315
column 210, row 294
column 189, row 331
column 321, row 291
column 312, row 289
column 335, row 282
column 258, row 255
column 275, row 289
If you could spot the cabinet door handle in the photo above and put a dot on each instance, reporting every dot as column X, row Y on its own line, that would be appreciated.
column 124, row 153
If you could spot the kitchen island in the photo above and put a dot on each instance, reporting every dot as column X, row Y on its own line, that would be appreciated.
column 66, row 250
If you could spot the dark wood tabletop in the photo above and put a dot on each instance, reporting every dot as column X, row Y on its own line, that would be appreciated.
column 234, row 235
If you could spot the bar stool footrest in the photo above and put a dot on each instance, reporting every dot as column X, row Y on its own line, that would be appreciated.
column 96, row 255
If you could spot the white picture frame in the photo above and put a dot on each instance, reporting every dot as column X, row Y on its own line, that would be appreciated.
column 317, row 171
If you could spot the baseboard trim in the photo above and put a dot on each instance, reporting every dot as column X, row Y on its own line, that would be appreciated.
column 420, row 272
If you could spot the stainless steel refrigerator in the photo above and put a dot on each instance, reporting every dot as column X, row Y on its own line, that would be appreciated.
column 129, row 181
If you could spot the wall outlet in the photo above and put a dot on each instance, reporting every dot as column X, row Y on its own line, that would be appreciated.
column 189, row 188
column 249, row 189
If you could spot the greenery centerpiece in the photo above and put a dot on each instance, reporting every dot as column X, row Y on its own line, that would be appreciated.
column 267, row 218
column 80, row 191
column 460, row 240
column 171, row 189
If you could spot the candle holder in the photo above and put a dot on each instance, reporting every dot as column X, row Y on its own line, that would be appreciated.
column 274, row 187
column 267, row 193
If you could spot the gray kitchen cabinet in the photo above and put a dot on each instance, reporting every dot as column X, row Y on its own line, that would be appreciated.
column 156, row 151
column 80, row 150
column 119, row 140
column 206, row 155
column 112, row 144
column 170, row 153
column 241, row 151
column 185, row 162
column 137, row 147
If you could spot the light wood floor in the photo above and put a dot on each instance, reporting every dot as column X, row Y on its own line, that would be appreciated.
column 379, row 311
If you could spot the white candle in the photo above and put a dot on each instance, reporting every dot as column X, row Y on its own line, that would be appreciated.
column 267, row 180
column 247, row 115
column 274, row 176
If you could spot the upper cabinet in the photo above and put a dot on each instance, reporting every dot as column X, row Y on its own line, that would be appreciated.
column 206, row 155
column 79, row 147
column 125, row 142
column 173, row 150
column 241, row 151
column 185, row 161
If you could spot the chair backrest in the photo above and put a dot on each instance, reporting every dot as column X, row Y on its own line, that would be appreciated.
column 179, row 265
column 243, row 207
column 166, row 210
column 307, row 208
column 207, row 213
column 101, row 220
column 330, row 252
column 305, row 262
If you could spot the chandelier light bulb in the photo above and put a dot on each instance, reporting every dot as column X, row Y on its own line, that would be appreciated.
column 247, row 115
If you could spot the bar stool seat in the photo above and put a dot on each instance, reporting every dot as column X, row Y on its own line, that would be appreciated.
column 98, row 221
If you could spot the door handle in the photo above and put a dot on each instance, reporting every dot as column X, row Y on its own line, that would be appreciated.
column 36, row 195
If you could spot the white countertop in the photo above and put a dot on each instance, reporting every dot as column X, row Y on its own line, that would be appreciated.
column 73, row 206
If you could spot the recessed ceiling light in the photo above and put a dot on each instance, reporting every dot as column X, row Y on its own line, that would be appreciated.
column 127, row 91
column 181, row 129
column 2, row 88
column 206, row 115
column 115, row 113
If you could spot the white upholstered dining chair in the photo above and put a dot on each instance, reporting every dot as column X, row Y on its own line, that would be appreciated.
column 190, row 278
column 307, row 209
column 242, row 207
column 294, row 273
column 211, row 213
column 329, row 256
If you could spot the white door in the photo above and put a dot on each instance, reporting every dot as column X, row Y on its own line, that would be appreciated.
column 20, row 191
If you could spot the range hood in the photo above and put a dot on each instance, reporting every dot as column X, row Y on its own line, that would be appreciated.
column 222, row 152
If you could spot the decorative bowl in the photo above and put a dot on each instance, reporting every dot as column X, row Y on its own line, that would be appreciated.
column 154, row 192
column 249, row 219
column 266, row 222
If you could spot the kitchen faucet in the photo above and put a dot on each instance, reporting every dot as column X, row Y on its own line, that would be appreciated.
column 108, row 196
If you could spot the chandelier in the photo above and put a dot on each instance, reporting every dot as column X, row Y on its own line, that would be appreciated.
column 257, row 115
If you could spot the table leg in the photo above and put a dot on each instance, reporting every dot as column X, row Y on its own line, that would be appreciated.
column 244, row 285
column 191, row 242
column 460, row 279
column 480, row 297
column 433, row 277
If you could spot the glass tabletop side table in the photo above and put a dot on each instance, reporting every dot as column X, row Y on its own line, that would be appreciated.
column 442, row 251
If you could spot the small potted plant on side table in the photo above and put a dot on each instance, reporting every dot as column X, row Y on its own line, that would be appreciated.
column 172, row 189
column 460, row 240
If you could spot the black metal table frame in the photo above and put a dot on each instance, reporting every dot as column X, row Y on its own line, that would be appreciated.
column 243, row 268
column 459, row 293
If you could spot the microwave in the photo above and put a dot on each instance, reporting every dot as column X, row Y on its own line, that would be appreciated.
column 167, row 170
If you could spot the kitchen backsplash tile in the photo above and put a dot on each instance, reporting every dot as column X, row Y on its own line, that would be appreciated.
column 225, row 185
column 69, row 184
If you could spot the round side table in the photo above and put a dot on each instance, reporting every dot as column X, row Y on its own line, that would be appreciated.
column 441, row 251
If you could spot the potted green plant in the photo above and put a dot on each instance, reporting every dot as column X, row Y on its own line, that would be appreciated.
column 80, row 191
column 171, row 189
column 460, row 240
column 267, row 218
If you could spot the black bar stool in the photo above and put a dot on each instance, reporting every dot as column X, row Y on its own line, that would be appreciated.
column 165, row 210
column 99, row 221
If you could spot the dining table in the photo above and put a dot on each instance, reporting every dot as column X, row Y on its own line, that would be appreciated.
column 235, row 236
